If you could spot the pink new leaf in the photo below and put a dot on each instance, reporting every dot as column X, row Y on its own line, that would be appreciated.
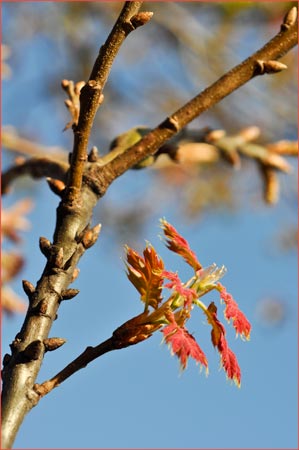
column 229, row 360
column 145, row 273
column 176, row 243
column 232, row 312
column 175, row 283
column 184, row 345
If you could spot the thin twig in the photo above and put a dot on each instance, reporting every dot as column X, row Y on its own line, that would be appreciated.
column 135, row 330
column 37, row 168
column 89, row 354
column 92, row 96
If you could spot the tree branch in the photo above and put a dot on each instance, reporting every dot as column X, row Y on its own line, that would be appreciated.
column 92, row 94
column 37, row 168
column 72, row 234
column 71, row 238
column 135, row 330
column 261, row 62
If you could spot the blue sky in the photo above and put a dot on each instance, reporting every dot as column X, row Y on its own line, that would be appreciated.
column 136, row 398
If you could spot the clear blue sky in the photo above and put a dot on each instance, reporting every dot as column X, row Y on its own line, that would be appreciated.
column 136, row 398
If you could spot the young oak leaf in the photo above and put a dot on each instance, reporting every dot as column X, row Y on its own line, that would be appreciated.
column 229, row 360
column 183, row 344
column 176, row 243
column 232, row 312
column 176, row 284
column 145, row 273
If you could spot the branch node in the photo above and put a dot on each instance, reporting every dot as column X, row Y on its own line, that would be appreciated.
column 68, row 294
column 289, row 19
column 172, row 123
column 93, row 84
column 32, row 352
column 29, row 289
column 53, row 343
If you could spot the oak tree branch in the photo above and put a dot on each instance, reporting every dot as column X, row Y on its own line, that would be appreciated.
column 255, row 65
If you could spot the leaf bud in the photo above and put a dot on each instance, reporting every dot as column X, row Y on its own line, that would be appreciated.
column 45, row 246
column 141, row 18
column 90, row 236
column 56, row 186
column 68, row 294
column 289, row 19
column 53, row 343
column 28, row 287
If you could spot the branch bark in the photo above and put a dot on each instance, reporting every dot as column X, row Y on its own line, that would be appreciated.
column 92, row 95
column 284, row 41
column 73, row 215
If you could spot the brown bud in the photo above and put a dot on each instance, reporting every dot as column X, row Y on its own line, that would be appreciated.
column 28, row 287
column 68, row 294
column 56, row 186
column 289, row 19
column 270, row 66
column 53, row 343
column 45, row 246
column 90, row 236
column 141, row 18
column 93, row 155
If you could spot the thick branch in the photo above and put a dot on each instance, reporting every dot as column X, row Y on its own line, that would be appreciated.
column 71, row 238
column 91, row 95
column 284, row 41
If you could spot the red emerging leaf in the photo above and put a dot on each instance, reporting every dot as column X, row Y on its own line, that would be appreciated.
column 230, row 363
column 183, row 344
column 176, row 284
column 232, row 312
column 145, row 273
column 176, row 243
column 228, row 359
